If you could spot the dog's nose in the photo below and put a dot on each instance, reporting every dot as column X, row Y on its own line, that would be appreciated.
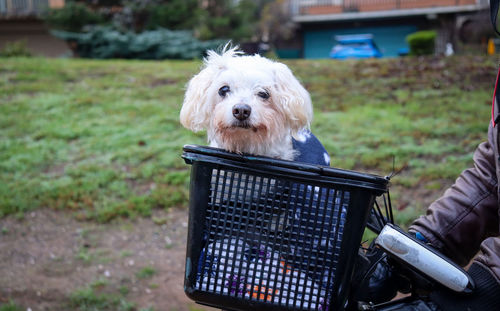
column 241, row 111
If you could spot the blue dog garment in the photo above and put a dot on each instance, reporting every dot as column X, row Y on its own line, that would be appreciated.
column 310, row 150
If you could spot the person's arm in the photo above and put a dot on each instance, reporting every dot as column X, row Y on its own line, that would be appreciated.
column 467, row 213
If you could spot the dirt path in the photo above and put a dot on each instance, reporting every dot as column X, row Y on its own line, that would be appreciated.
column 48, row 256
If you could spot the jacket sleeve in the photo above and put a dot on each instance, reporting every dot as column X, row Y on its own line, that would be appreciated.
column 467, row 213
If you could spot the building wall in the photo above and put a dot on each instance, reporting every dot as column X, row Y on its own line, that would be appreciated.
column 36, row 35
column 389, row 39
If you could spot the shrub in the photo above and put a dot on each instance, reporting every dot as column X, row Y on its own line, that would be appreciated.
column 237, row 20
column 106, row 42
column 175, row 15
column 422, row 42
column 72, row 17
column 15, row 49
column 226, row 19
column 151, row 14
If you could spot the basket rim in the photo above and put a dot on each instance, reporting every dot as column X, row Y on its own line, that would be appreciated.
column 194, row 153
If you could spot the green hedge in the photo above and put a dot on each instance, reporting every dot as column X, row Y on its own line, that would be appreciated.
column 422, row 42
column 72, row 17
column 238, row 20
column 105, row 42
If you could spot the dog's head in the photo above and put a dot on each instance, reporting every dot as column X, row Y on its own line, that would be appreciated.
column 245, row 101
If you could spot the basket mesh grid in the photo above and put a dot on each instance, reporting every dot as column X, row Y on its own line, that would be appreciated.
column 271, row 240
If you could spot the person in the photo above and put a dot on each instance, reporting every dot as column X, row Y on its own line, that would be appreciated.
column 464, row 224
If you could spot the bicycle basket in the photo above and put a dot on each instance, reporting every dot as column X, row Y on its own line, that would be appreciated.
column 266, row 233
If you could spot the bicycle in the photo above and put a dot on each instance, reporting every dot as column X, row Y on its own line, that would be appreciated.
column 269, row 234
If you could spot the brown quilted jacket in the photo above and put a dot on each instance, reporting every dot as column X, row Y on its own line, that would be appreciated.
column 465, row 220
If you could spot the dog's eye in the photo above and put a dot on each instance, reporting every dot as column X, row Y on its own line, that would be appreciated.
column 224, row 90
column 263, row 95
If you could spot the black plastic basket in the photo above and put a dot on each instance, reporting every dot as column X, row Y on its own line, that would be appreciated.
column 268, row 234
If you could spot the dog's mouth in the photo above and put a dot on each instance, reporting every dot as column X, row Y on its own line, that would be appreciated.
column 243, row 125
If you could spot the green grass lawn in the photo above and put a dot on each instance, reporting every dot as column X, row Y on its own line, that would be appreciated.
column 103, row 138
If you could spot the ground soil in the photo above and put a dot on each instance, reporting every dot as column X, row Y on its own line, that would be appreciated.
column 48, row 255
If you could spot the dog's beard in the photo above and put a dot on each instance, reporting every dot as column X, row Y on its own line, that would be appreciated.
column 248, row 136
column 242, row 137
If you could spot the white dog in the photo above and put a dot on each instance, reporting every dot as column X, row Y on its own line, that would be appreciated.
column 250, row 104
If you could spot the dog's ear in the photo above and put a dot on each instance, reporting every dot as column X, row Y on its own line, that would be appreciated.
column 293, row 98
column 195, row 111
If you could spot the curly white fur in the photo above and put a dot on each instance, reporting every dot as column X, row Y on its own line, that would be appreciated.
column 273, row 121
